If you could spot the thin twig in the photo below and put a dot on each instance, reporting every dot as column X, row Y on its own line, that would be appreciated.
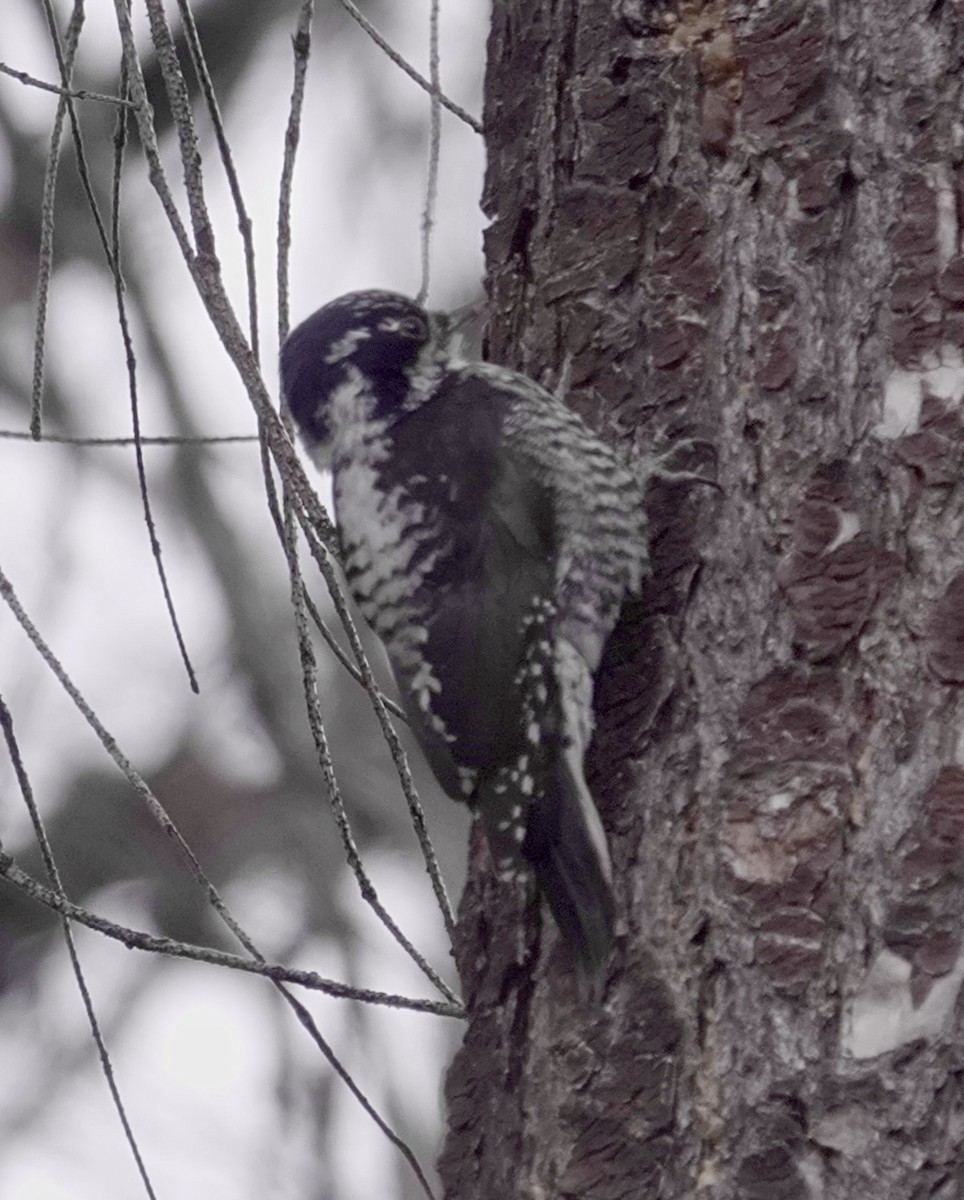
column 322, row 542
column 214, row 898
column 16, row 759
column 83, row 167
column 332, row 643
column 57, row 440
column 356, row 13
column 45, row 268
column 301, row 45
column 65, row 57
column 31, row 81
column 145, row 128
column 66, row 1055
column 136, row 939
column 316, row 725
column 137, row 782
column 10, row 871
column 227, row 159
column 320, row 624
column 311, row 514
column 399, row 757
column 120, row 140
column 304, row 1016
column 206, row 273
column 435, row 138
column 182, row 114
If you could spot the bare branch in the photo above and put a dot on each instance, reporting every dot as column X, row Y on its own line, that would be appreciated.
column 57, row 440
column 435, row 140
column 244, row 221
column 31, row 81
column 369, row 28
column 302, row 51
column 16, row 759
column 136, row 939
column 310, row 682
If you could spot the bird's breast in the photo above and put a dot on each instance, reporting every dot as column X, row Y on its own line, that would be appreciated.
column 390, row 543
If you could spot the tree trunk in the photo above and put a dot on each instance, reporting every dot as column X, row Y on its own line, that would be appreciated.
column 743, row 224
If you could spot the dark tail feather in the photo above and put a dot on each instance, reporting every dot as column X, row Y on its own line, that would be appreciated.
column 566, row 847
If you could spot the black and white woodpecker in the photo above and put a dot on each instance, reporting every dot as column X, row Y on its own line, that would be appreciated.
column 489, row 538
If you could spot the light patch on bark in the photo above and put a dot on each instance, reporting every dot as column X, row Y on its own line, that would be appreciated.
column 882, row 1015
column 903, row 393
column 794, row 211
column 847, row 530
column 812, row 1171
column 849, row 1130
column 779, row 801
column 946, row 199
column 942, row 377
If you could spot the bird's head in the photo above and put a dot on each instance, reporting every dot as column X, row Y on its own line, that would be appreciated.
column 369, row 356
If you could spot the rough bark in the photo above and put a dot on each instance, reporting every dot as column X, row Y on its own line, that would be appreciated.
column 743, row 222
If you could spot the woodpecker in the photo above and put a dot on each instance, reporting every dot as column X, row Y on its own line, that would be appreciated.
column 489, row 538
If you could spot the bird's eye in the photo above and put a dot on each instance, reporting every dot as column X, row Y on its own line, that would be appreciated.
column 408, row 327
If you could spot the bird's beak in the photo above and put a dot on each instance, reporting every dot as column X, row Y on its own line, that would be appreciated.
column 460, row 319
column 462, row 326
